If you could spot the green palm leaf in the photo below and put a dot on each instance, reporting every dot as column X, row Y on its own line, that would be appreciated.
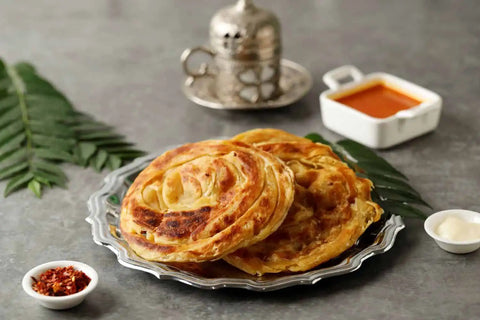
column 39, row 129
column 99, row 146
column 24, row 138
column 392, row 190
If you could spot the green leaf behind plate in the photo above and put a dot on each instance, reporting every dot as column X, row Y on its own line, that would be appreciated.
column 391, row 188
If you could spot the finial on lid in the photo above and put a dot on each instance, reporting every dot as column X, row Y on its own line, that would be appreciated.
column 243, row 5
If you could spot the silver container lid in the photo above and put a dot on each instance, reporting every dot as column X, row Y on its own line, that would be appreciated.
column 245, row 32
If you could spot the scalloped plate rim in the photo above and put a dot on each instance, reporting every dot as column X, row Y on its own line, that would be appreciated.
column 102, row 237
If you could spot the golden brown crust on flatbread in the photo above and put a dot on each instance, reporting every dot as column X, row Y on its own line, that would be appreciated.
column 267, row 135
column 331, row 210
column 203, row 200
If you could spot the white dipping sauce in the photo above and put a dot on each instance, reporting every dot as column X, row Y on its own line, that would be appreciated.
column 456, row 229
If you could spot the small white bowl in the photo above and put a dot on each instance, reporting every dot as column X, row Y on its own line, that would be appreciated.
column 62, row 302
column 371, row 131
column 459, row 247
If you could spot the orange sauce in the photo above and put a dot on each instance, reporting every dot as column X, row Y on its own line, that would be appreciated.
column 379, row 101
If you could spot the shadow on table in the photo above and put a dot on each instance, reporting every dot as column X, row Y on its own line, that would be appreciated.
column 372, row 269
column 300, row 110
column 453, row 134
column 99, row 303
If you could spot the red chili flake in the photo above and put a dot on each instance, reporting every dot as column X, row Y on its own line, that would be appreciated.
column 61, row 281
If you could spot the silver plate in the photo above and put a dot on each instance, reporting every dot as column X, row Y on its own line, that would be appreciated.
column 104, row 218
column 295, row 82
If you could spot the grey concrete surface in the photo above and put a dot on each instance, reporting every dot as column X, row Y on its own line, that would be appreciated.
column 119, row 60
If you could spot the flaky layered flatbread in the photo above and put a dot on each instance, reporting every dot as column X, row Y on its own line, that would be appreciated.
column 203, row 200
column 331, row 209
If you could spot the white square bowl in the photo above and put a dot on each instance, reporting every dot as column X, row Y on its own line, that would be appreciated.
column 377, row 132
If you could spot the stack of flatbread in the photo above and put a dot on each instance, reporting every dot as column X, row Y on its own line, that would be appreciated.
column 265, row 201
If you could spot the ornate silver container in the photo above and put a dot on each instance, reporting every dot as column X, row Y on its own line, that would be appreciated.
column 245, row 44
